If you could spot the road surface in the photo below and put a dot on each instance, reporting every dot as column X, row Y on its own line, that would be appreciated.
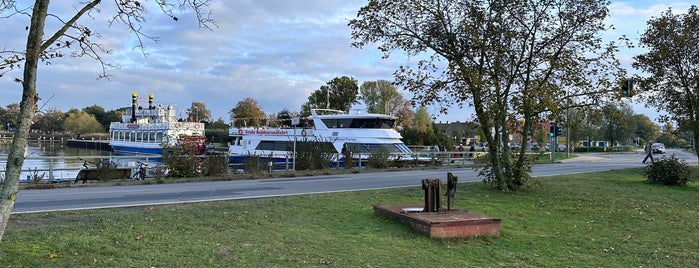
column 31, row 201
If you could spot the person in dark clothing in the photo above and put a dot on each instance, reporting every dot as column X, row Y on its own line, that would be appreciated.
column 649, row 152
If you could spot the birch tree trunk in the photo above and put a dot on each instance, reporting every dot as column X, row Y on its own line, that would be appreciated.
column 15, row 158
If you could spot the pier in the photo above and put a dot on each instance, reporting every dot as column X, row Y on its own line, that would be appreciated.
column 102, row 145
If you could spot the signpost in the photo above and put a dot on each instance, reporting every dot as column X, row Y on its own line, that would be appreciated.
column 294, row 122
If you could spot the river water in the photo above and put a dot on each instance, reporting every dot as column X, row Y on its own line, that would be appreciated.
column 53, row 160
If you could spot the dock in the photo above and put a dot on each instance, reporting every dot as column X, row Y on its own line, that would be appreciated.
column 89, row 144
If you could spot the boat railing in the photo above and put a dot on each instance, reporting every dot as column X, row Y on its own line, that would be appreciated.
column 159, row 126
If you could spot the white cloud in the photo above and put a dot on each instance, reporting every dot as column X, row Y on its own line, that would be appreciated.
column 276, row 52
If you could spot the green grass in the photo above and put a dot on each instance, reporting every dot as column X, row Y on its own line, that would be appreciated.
column 607, row 219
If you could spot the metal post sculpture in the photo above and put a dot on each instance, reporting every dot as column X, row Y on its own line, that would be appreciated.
column 451, row 188
column 433, row 196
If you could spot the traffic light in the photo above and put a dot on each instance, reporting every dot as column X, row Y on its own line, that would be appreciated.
column 552, row 129
column 627, row 87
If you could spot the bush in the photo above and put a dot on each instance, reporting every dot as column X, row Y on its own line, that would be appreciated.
column 215, row 164
column 314, row 154
column 253, row 164
column 378, row 158
column 183, row 161
column 668, row 171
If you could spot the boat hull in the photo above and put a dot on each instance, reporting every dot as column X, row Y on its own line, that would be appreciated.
column 136, row 150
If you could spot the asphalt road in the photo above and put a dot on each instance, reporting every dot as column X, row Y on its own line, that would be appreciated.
column 32, row 201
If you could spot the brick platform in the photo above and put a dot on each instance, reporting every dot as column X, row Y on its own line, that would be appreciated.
column 443, row 224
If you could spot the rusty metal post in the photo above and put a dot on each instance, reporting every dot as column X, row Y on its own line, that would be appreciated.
column 451, row 188
column 433, row 194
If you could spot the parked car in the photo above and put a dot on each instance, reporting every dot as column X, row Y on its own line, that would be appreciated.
column 658, row 148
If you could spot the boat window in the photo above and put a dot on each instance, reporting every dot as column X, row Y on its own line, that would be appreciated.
column 158, row 137
column 371, row 147
column 359, row 123
column 274, row 146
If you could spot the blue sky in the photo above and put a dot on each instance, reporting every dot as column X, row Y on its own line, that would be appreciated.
column 276, row 52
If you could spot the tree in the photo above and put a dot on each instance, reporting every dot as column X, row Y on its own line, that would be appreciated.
column 617, row 122
column 284, row 118
column 381, row 97
column 81, row 122
column 103, row 117
column 45, row 46
column 424, row 127
column 218, row 124
column 339, row 94
column 671, row 64
column 405, row 116
column 9, row 117
column 198, row 112
column 247, row 113
column 645, row 128
column 52, row 120
column 509, row 61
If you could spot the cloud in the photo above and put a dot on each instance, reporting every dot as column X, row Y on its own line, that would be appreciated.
column 276, row 52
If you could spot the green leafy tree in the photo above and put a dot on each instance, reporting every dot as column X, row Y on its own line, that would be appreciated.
column 339, row 94
column 668, row 135
column 9, row 116
column 218, row 124
column 671, row 63
column 645, row 128
column 73, row 38
column 617, row 123
column 508, row 61
column 198, row 112
column 247, row 113
column 381, row 97
column 81, row 122
column 424, row 127
column 283, row 118
column 51, row 120
column 105, row 118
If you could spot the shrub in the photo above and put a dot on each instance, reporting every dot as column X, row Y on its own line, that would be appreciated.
column 183, row 161
column 378, row 158
column 215, row 164
column 314, row 154
column 668, row 171
column 253, row 164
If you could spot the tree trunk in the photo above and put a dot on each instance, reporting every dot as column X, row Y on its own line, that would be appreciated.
column 15, row 158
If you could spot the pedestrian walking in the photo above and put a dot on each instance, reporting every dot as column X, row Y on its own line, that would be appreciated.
column 649, row 152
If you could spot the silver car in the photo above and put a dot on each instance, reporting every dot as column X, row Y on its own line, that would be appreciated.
column 658, row 148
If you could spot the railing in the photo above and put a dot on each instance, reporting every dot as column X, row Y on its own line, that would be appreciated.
column 64, row 168
column 418, row 159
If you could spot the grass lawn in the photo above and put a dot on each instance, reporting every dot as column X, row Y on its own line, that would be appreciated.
column 606, row 219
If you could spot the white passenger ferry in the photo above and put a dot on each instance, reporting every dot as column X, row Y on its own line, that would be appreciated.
column 360, row 132
column 147, row 130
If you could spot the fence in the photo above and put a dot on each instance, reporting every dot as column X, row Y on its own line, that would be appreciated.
column 66, row 168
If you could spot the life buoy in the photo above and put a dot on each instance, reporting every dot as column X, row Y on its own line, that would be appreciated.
column 196, row 126
column 303, row 133
column 177, row 125
column 240, row 131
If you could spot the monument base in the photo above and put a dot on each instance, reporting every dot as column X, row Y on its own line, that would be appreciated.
column 442, row 224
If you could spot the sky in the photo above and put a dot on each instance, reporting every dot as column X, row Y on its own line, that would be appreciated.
column 276, row 52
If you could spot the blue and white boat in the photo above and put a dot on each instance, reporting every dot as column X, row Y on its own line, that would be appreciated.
column 360, row 132
column 147, row 130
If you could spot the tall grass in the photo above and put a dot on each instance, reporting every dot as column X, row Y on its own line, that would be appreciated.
column 606, row 219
